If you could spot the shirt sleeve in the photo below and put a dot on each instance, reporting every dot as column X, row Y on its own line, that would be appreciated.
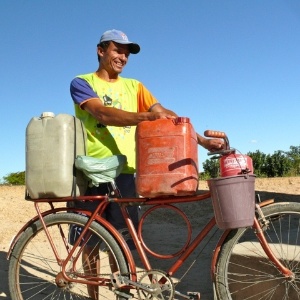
column 81, row 91
column 145, row 99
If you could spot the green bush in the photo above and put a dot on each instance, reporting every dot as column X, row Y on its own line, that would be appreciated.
column 278, row 164
column 15, row 178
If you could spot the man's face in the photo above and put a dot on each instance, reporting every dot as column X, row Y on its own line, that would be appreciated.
column 114, row 58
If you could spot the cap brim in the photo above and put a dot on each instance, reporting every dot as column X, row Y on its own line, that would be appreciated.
column 133, row 47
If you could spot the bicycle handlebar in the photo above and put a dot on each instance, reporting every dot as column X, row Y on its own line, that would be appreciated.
column 220, row 135
column 215, row 134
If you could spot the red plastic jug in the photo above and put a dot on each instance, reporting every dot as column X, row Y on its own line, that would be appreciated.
column 167, row 158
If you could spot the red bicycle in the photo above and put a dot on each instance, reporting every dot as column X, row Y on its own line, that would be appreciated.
column 256, row 262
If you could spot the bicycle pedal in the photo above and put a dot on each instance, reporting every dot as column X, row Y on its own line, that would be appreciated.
column 116, row 280
column 123, row 295
column 194, row 295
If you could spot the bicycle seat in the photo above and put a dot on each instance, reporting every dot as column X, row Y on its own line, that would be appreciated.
column 100, row 170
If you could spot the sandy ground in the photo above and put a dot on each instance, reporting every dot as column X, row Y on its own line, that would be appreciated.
column 15, row 211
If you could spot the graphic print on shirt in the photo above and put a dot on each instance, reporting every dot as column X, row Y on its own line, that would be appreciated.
column 108, row 101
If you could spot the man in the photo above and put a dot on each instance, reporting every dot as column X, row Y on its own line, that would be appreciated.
column 110, row 107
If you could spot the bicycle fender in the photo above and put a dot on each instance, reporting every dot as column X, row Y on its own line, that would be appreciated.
column 27, row 225
column 99, row 219
column 121, row 241
column 222, row 239
column 33, row 220
column 216, row 252
column 266, row 202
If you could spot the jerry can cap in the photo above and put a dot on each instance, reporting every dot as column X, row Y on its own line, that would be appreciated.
column 181, row 120
column 47, row 114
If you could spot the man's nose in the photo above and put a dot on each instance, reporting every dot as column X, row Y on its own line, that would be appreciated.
column 123, row 56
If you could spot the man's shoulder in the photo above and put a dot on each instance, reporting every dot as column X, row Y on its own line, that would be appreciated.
column 85, row 76
column 84, row 79
column 129, row 81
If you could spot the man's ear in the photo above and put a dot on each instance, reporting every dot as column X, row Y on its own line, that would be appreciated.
column 100, row 51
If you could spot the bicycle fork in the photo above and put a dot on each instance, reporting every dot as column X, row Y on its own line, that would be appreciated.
column 259, row 231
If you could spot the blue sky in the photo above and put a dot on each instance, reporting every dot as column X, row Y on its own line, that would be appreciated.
column 228, row 65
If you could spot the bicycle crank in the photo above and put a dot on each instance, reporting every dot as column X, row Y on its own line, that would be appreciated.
column 155, row 284
column 152, row 285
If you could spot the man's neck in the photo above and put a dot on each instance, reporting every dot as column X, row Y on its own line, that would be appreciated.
column 104, row 75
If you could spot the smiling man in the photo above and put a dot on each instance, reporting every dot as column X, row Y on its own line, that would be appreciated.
column 110, row 107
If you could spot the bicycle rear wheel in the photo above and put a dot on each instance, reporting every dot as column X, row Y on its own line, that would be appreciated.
column 244, row 270
column 35, row 274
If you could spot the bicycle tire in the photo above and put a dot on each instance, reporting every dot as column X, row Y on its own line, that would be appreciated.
column 243, row 270
column 33, row 268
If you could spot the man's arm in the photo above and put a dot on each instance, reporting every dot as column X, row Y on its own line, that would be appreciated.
column 158, row 108
column 117, row 117
column 209, row 144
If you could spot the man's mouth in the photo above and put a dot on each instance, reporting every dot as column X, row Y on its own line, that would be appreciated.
column 119, row 64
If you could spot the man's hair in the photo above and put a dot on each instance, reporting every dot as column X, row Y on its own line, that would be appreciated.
column 103, row 45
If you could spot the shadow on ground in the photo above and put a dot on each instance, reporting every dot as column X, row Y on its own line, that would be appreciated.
column 4, row 275
column 278, row 197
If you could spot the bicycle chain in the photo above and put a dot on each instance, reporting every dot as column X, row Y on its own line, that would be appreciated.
column 140, row 286
column 123, row 274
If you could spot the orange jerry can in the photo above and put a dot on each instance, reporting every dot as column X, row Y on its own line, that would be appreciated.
column 167, row 158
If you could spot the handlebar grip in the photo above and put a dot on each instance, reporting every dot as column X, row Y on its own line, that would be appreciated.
column 215, row 134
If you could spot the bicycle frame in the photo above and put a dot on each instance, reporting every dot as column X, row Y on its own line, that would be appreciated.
column 128, row 280
column 183, row 254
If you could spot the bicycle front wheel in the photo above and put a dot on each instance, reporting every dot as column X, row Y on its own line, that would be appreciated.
column 245, row 272
column 35, row 272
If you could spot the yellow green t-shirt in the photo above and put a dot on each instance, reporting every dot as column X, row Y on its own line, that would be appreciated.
column 126, row 94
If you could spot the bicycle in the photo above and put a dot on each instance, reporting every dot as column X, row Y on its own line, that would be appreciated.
column 258, row 262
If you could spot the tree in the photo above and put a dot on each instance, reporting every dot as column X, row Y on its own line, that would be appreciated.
column 278, row 164
column 211, row 168
column 15, row 178
column 294, row 156
column 259, row 163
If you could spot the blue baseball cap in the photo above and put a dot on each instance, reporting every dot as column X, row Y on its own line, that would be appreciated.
column 120, row 38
